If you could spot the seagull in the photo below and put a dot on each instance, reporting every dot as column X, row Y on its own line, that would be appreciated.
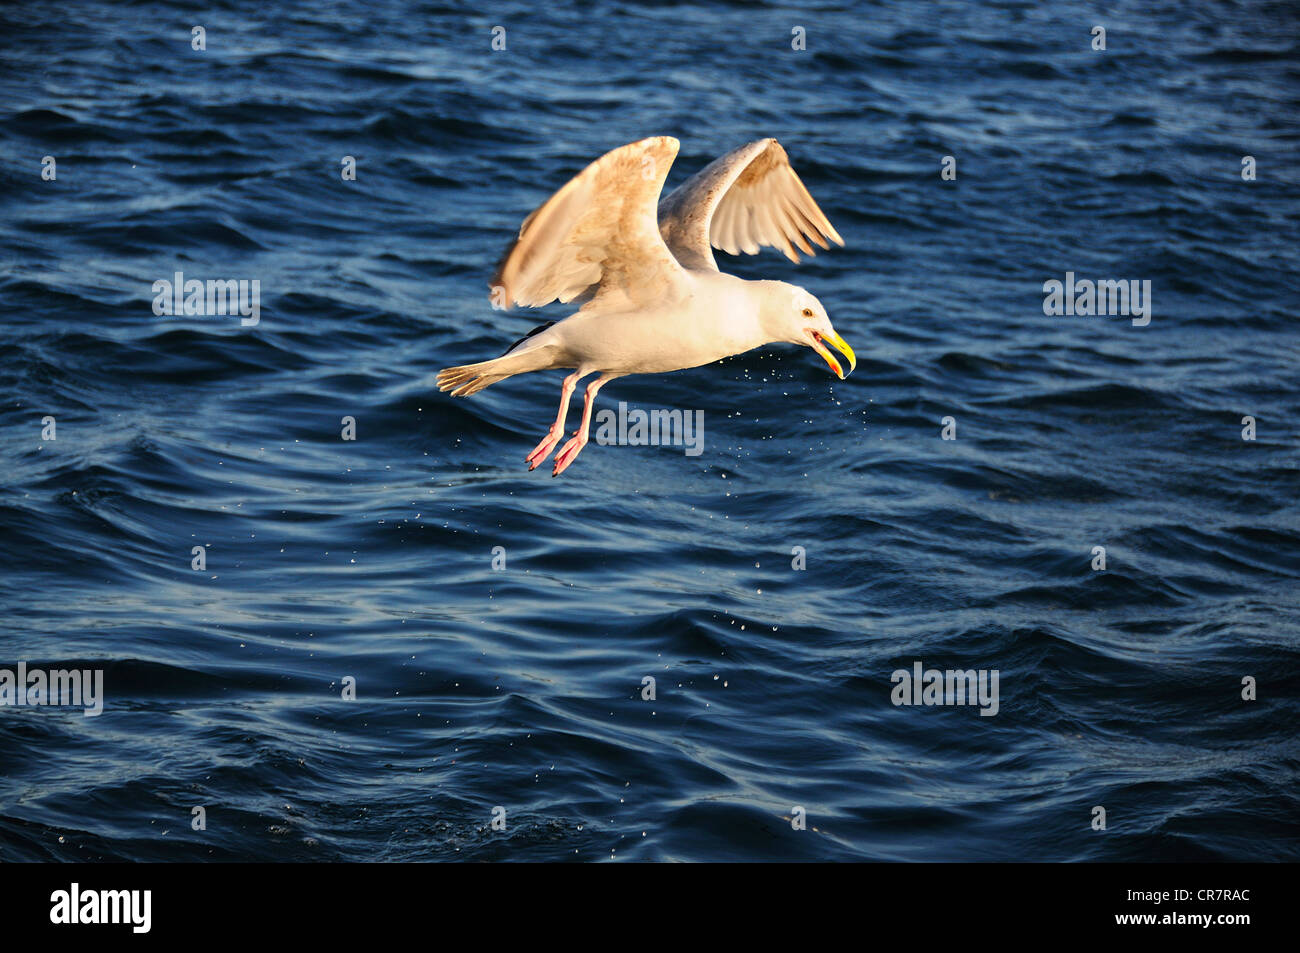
column 653, row 299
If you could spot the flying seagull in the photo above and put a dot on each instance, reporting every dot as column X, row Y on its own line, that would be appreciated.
column 653, row 299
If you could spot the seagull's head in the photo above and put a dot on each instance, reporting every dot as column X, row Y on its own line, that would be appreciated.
column 794, row 316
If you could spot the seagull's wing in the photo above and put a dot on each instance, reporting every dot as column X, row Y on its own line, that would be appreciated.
column 747, row 198
column 598, row 235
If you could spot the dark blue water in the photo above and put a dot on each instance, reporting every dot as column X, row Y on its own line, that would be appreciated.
column 521, row 688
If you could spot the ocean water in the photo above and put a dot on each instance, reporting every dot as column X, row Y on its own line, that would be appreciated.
column 516, row 691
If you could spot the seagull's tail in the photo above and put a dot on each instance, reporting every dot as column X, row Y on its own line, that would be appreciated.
column 472, row 378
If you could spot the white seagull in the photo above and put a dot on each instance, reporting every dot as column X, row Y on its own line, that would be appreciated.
column 653, row 299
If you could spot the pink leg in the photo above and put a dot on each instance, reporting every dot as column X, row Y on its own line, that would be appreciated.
column 543, row 449
column 571, row 449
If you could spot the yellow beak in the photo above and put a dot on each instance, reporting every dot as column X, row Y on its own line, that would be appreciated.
column 829, row 358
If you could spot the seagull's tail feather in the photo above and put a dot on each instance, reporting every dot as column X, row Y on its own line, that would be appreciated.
column 470, row 383
column 472, row 378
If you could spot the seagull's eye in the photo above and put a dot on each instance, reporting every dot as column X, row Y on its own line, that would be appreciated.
column 807, row 312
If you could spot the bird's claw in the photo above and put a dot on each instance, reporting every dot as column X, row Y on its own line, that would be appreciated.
column 542, row 450
column 567, row 454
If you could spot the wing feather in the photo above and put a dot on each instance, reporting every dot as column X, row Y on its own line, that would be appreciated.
column 725, row 229
column 597, row 235
column 748, row 198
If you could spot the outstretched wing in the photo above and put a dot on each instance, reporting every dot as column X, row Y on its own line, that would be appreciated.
column 747, row 198
column 598, row 235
